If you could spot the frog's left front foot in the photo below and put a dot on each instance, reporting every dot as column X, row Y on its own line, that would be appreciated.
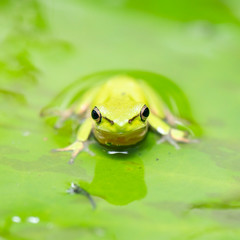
column 75, row 148
column 174, row 136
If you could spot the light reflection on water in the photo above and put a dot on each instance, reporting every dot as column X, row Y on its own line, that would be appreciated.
column 31, row 219
column 16, row 219
column 117, row 152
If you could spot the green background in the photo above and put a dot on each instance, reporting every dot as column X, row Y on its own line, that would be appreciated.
column 154, row 192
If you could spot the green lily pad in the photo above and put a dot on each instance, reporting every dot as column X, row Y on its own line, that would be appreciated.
column 154, row 191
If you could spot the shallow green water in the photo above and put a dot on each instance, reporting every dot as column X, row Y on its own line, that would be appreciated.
column 155, row 192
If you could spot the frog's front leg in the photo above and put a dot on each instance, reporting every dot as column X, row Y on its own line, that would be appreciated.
column 63, row 117
column 170, row 135
column 73, row 112
column 81, row 141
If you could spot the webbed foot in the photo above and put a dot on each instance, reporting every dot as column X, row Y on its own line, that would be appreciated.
column 75, row 148
column 174, row 136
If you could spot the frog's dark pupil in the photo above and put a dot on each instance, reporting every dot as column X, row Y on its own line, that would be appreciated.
column 95, row 114
column 146, row 112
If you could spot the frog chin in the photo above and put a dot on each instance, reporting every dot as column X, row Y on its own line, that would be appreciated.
column 120, row 138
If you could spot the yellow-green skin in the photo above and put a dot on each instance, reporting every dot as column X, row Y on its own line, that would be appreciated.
column 120, row 100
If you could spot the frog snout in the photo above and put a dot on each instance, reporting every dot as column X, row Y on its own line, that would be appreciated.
column 120, row 124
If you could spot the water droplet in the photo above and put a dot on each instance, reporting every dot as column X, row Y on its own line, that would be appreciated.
column 16, row 219
column 33, row 220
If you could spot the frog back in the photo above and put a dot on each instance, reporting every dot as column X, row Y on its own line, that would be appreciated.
column 120, row 87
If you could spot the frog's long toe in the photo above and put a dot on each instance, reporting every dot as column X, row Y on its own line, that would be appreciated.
column 175, row 136
column 168, row 138
column 75, row 148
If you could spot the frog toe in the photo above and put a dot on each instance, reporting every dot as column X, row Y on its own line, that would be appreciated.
column 174, row 136
column 182, row 136
column 179, row 136
column 169, row 139
column 75, row 148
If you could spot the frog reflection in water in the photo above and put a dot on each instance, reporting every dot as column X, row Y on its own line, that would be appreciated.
column 119, row 112
column 116, row 180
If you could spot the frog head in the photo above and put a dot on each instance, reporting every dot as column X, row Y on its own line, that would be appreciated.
column 121, row 123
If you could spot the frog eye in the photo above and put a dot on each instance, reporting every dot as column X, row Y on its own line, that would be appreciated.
column 144, row 113
column 96, row 115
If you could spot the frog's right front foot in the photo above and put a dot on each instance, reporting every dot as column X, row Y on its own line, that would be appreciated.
column 75, row 148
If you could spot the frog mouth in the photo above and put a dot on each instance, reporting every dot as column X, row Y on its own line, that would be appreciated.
column 120, row 138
